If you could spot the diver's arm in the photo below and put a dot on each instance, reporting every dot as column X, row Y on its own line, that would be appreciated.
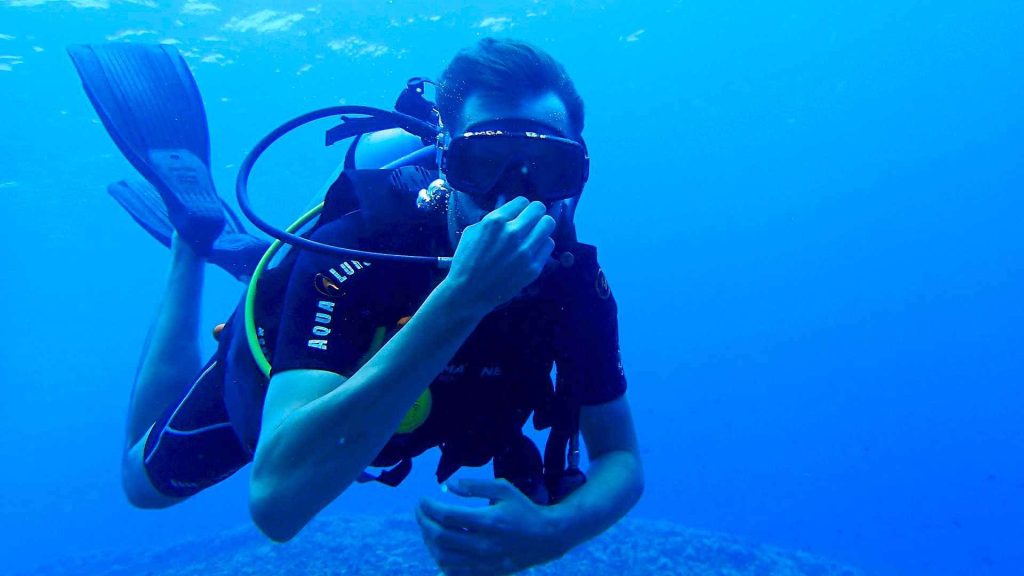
column 320, row 430
column 615, row 478
column 318, row 435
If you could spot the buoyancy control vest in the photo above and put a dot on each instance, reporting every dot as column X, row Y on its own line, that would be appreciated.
column 383, row 202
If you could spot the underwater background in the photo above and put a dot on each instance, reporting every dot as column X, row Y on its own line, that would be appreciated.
column 811, row 214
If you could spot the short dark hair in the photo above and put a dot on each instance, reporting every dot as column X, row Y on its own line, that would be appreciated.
column 507, row 68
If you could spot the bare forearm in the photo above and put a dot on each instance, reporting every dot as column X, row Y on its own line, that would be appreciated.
column 614, row 484
column 320, row 448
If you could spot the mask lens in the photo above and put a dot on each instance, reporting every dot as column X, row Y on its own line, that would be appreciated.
column 555, row 168
column 475, row 166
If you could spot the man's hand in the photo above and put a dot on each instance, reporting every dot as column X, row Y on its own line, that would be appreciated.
column 502, row 253
column 510, row 535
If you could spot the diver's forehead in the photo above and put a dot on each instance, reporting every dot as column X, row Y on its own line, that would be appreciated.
column 546, row 109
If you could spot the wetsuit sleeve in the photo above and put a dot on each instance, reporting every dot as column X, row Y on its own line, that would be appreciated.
column 329, row 316
column 587, row 344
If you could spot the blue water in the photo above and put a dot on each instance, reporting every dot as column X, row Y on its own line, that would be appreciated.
column 810, row 212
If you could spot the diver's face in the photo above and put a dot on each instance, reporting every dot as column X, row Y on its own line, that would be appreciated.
column 464, row 209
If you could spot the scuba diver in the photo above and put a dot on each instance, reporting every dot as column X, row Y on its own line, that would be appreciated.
column 423, row 304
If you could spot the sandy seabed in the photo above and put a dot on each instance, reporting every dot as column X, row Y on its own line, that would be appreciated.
column 372, row 545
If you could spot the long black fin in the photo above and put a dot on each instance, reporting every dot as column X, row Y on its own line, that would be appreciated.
column 151, row 107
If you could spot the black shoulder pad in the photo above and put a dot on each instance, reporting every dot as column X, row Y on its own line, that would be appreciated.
column 385, row 201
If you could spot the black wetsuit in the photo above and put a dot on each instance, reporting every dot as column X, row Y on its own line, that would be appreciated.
column 332, row 315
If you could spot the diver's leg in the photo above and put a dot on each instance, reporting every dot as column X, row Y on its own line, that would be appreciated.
column 170, row 357
column 191, row 446
column 136, row 482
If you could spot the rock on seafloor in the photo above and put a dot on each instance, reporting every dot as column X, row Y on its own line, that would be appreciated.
column 373, row 545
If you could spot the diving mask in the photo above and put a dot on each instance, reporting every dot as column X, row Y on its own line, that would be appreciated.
column 541, row 166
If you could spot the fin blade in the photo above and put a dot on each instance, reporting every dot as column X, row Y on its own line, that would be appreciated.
column 145, row 206
column 150, row 105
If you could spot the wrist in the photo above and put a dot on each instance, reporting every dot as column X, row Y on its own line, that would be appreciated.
column 454, row 298
column 559, row 528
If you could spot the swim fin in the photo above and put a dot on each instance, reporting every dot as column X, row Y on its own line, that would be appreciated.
column 235, row 250
column 145, row 206
column 150, row 104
